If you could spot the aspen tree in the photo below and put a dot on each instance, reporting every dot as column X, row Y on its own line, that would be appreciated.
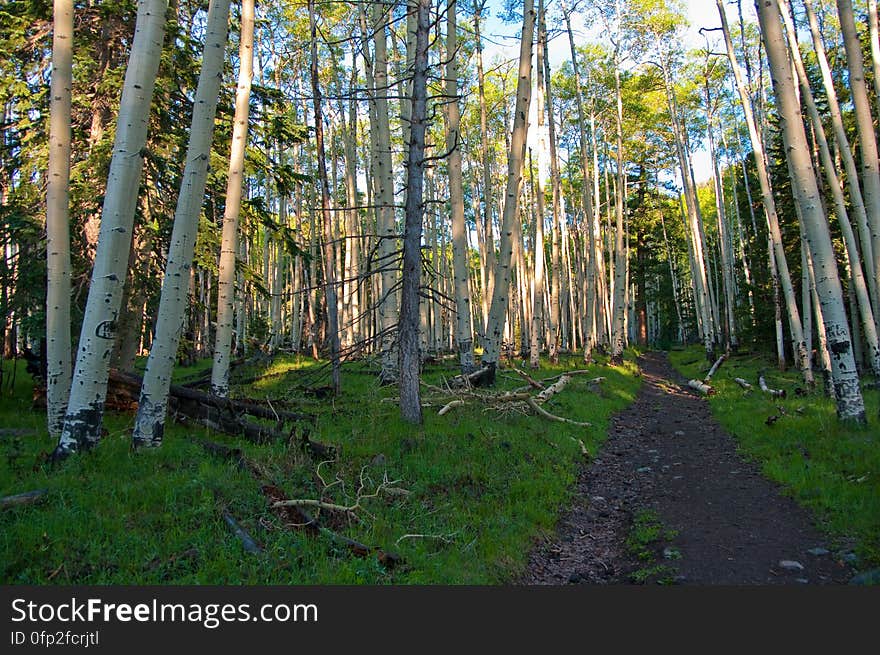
column 149, row 424
column 85, row 409
column 58, row 357
column 848, row 395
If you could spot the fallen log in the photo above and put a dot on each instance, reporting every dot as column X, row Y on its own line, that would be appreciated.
column 247, row 541
column 553, row 389
column 240, row 406
column 776, row 393
column 702, row 387
column 745, row 385
column 26, row 498
column 715, row 367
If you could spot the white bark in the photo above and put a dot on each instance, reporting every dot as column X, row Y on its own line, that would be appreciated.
column 463, row 335
column 58, row 357
column 498, row 308
column 386, row 227
column 229, row 245
column 857, row 200
column 848, row 395
column 85, row 410
column 152, row 407
column 865, row 127
column 794, row 319
column 828, row 165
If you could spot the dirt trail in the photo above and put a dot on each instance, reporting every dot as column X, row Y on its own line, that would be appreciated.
column 667, row 454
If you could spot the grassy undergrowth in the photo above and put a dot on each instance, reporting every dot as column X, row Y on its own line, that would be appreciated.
column 483, row 485
column 830, row 467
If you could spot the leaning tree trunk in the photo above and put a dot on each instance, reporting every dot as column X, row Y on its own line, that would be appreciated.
column 858, row 279
column 865, row 127
column 516, row 157
column 58, row 221
column 149, row 424
column 859, row 209
column 234, row 179
column 848, row 395
column 410, row 401
column 463, row 336
column 85, row 409
column 802, row 357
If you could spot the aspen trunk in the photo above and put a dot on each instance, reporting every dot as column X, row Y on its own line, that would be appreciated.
column 149, row 423
column 828, row 165
column 865, row 128
column 85, row 410
column 58, row 356
column 848, row 395
column 383, row 177
column 229, row 245
column 501, row 292
column 859, row 209
column 794, row 319
column 463, row 337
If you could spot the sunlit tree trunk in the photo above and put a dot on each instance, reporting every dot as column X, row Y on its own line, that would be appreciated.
column 229, row 245
column 149, row 423
column 58, row 357
column 859, row 209
column 85, row 409
column 848, row 395
column 794, row 319
column 833, row 182
column 463, row 337
column 501, row 292
column 865, row 127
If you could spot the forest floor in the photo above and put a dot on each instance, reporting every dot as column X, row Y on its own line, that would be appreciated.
column 669, row 500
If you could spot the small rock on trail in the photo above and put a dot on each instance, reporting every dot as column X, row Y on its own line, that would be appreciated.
column 727, row 524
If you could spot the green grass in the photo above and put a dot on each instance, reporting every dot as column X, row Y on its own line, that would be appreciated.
column 483, row 486
column 645, row 541
column 827, row 466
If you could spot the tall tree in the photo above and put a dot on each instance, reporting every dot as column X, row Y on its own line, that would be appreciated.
column 234, row 180
column 149, row 425
column 85, row 409
column 463, row 333
column 326, row 218
column 58, row 358
column 410, row 402
column 848, row 395
column 516, row 158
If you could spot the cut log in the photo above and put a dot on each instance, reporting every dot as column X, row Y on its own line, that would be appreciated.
column 776, row 393
column 702, row 387
column 715, row 367
column 247, row 541
column 26, row 498
column 745, row 385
